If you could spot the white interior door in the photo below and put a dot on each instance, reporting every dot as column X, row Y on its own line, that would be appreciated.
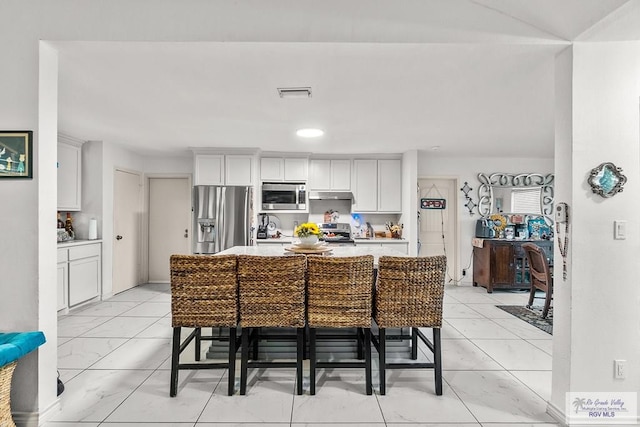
column 438, row 227
column 127, row 219
column 169, row 224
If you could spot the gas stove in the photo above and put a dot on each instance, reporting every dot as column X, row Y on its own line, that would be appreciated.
column 336, row 233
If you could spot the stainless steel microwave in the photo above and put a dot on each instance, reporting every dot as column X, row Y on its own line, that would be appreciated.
column 283, row 196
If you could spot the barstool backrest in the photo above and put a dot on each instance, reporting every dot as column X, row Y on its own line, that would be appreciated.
column 204, row 291
column 340, row 291
column 409, row 291
column 272, row 290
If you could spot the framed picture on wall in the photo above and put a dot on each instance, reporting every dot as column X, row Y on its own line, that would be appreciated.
column 16, row 157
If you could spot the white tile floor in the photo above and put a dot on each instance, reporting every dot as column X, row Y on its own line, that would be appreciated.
column 114, row 361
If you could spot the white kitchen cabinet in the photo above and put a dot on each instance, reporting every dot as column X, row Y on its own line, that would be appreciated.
column 276, row 169
column 365, row 185
column 329, row 175
column 69, row 175
column 238, row 169
column 272, row 169
column 79, row 273
column 220, row 169
column 396, row 244
column 377, row 185
column 389, row 186
column 209, row 169
column 296, row 169
column 63, row 278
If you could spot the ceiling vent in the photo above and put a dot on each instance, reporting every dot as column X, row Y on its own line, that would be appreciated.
column 294, row 92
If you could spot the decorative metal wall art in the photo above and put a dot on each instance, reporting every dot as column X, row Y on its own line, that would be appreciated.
column 470, row 204
column 524, row 180
column 606, row 179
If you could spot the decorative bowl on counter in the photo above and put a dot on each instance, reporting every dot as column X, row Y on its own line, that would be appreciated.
column 64, row 236
column 308, row 241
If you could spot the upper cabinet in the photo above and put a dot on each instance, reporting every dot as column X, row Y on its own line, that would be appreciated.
column 389, row 186
column 330, row 175
column 238, row 169
column 377, row 185
column 276, row 169
column 69, row 175
column 219, row 169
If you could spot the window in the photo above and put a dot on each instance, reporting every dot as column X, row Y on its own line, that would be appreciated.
column 526, row 200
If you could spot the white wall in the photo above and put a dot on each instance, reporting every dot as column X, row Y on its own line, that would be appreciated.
column 606, row 127
column 467, row 169
column 561, row 368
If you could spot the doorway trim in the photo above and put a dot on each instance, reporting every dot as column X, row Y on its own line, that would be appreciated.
column 453, row 204
column 145, row 216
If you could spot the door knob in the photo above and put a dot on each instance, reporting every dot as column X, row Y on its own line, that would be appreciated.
column 186, row 233
column 118, row 237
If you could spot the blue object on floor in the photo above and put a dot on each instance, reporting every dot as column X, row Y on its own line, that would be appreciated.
column 14, row 345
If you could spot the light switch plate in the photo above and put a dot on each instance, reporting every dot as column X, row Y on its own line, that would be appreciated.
column 619, row 230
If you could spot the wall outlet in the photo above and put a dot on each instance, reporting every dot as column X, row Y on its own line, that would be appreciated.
column 619, row 369
column 464, row 272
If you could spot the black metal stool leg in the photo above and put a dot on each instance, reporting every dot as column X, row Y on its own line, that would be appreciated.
column 198, row 343
column 383, row 360
column 437, row 361
column 360, row 339
column 244, row 360
column 367, row 360
column 175, row 360
column 414, row 344
column 312, row 361
column 299, row 357
column 232, row 361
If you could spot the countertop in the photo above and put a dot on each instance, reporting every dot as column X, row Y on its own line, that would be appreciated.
column 77, row 242
column 357, row 240
column 338, row 251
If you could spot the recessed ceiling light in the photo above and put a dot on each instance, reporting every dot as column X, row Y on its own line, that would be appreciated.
column 435, row 148
column 309, row 133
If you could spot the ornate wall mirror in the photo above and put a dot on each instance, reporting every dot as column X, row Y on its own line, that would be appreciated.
column 606, row 180
column 527, row 193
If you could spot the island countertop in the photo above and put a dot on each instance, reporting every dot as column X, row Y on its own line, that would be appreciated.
column 337, row 251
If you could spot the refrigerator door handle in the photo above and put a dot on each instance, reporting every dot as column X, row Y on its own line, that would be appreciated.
column 222, row 241
column 246, row 220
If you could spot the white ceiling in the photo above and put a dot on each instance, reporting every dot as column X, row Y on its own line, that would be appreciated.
column 474, row 78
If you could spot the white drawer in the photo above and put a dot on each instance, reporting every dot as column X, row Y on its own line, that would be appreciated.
column 84, row 251
column 63, row 255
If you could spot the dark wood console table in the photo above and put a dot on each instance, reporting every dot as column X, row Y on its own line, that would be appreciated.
column 502, row 263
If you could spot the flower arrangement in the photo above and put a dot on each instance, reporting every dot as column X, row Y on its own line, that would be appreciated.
column 395, row 229
column 307, row 229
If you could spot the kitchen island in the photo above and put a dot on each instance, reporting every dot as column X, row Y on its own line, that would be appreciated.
column 329, row 349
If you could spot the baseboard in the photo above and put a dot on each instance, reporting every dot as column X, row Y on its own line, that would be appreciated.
column 33, row 419
column 48, row 413
column 26, row 419
column 557, row 414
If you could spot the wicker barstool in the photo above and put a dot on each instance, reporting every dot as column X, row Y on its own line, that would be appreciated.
column 204, row 294
column 339, row 296
column 271, row 296
column 409, row 293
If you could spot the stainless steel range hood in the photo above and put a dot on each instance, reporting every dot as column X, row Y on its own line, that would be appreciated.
column 330, row 195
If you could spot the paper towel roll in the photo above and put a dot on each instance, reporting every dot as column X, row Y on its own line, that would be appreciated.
column 93, row 229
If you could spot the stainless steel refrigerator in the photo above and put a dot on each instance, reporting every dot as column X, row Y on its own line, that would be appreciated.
column 222, row 218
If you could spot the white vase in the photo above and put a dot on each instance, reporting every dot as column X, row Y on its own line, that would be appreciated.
column 308, row 241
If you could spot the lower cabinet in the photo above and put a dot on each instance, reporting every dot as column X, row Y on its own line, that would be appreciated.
column 398, row 245
column 502, row 264
column 79, row 274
